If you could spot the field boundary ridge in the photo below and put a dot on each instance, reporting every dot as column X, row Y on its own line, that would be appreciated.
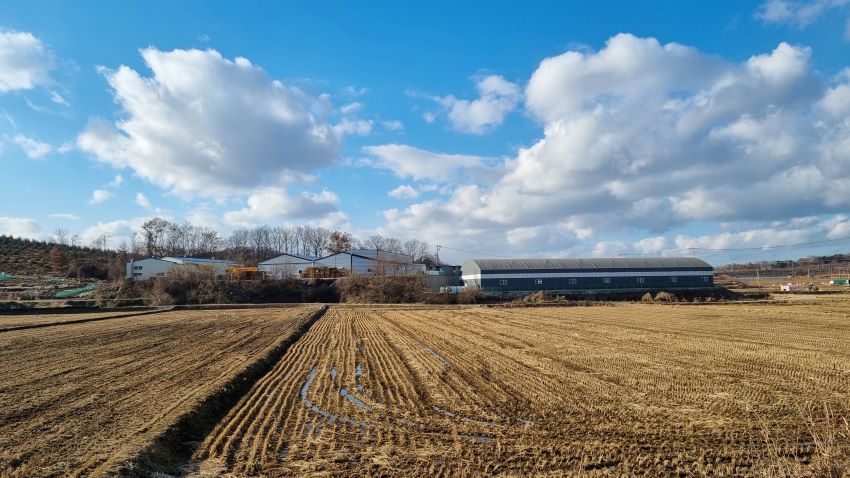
column 167, row 452
column 83, row 321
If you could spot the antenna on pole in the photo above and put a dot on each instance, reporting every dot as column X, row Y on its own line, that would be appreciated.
column 438, row 254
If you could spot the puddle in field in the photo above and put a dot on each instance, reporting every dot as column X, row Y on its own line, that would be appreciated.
column 307, row 384
column 435, row 354
column 524, row 421
column 351, row 398
column 331, row 419
column 447, row 413
column 283, row 452
column 478, row 438
column 358, row 372
column 333, row 373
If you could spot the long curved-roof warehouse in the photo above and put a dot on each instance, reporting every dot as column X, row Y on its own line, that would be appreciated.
column 588, row 274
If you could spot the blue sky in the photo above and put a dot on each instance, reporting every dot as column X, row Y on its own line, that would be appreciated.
column 533, row 129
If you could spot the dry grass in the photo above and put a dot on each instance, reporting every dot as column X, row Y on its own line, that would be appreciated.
column 637, row 389
column 8, row 322
column 79, row 399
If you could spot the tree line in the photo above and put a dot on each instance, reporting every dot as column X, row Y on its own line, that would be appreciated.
column 158, row 237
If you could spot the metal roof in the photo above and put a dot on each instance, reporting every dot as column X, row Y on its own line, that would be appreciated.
column 274, row 260
column 589, row 263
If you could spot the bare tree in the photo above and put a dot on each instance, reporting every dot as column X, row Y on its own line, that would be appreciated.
column 340, row 241
column 209, row 242
column 318, row 239
column 153, row 231
column 375, row 241
column 61, row 235
column 419, row 250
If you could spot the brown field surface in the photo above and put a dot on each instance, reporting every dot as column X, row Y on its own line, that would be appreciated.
column 632, row 389
column 8, row 322
column 79, row 399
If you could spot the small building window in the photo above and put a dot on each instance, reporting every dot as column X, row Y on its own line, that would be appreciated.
column 573, row 280
column 137, row 268
column 503, row 282
column 705, row 278
column 639, row 280
column 538, row 281
column 674, row 279
column 606, row 280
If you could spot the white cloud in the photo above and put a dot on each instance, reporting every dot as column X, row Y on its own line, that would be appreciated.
column 354, row 92
column 393, row 125
column 405, row 191
column 58, row 99
column 22, row 227
column 33, row 148
column 644, row 137
column 143, row 201
column 351, row 108
column 799, row 13
column 100, row 195
column 117, row 181
column 24, row 61
column 118, row 231
column 65, row 215
column 275, row 204
column 496, row 98
column 348, row 126
column 203, row 124
column 409, row 162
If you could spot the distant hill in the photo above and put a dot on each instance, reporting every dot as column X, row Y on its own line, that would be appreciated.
column 26, row 256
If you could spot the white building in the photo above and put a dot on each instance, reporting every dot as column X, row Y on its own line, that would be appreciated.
column 151, row 267
column 365, row 262
column 286, row 265
column 160, row 267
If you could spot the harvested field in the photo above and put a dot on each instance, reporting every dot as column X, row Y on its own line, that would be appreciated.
column 11, row 322
column 86, row 399
column 629, row 389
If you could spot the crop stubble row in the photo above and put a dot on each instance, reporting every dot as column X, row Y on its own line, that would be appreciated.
column 78, row 399
column 642, row 389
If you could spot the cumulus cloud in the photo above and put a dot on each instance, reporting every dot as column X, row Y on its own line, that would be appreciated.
column 405, row 191
column 33, row 148
column 100, row 195
column 116, row 231
column 496, row 98
column 410, row 162
column 23, row 227
column 202, row 124
column 117, row 181
column 25, row 62
column 644, row 137
column 275, row 204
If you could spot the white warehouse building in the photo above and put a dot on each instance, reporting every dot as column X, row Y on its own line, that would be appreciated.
column 369, row 262
column 286, row 265
column 160, row 267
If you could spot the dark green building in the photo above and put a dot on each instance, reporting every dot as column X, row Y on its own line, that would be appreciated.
column 587, row 275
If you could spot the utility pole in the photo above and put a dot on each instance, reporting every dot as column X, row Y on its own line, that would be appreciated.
column 438, row 254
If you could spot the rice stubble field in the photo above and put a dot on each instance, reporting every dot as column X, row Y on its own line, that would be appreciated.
column 85, row 399
column 633, row 389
